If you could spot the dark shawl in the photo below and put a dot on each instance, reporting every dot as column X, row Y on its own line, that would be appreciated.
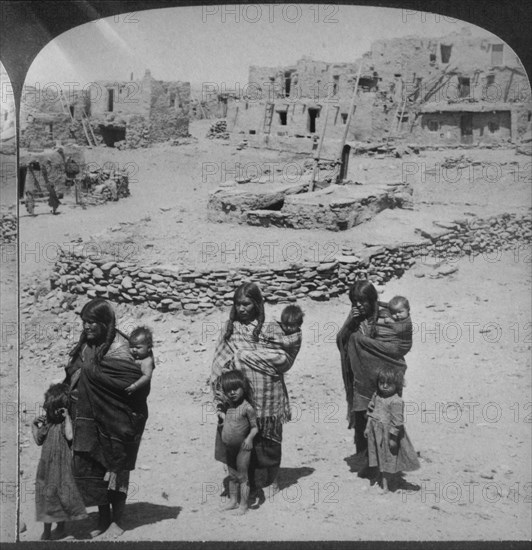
column 108, row 422
column 363, row 356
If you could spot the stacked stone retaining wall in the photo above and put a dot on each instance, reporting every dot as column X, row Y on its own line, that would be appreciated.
column 174, row 289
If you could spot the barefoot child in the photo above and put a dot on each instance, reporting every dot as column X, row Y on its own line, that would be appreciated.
column 141, row 347
column 388, row 445
column 239, row 429
column 57, row 498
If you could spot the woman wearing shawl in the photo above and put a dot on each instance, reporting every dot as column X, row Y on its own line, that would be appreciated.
column 368, row 343
column 246, row 345
column 108, row 423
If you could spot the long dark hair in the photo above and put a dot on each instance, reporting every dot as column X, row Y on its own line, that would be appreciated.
column 233, row 379
column 252, row 292
column 394, row 376
column 98, row 311
column 364, row 291
column 56, row 397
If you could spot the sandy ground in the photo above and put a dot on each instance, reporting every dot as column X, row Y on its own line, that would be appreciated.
column 468, row 392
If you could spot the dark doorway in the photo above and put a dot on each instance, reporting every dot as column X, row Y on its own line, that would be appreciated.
column 112, row 134
column 287, row 83
column 464, row 86
column 313, row 114
column 282, row 117
column 466, row 128
column 346, row 151
column 110, row 100
column 445, row 52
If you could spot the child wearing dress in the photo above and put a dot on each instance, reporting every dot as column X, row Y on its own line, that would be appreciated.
column 389, row 448
column 238, row 431
column 57, row 498
column 141, row 348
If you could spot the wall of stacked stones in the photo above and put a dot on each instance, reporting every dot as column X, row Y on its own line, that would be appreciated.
column 200, row 290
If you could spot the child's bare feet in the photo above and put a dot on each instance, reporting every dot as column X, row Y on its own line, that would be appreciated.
column 240, row 511
column 229, row 506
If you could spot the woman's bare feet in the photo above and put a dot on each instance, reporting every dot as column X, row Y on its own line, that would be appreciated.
column 113, row 532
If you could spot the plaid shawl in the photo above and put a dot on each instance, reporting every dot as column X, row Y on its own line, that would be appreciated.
column 109, row 423
column 256, row 360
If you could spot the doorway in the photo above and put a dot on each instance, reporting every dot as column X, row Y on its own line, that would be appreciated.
column 313, row 114
column 466, row 128
column 346, row 151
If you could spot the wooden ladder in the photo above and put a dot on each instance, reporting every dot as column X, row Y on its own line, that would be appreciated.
column 85, row 121
column 66, row 110
column 268, row 117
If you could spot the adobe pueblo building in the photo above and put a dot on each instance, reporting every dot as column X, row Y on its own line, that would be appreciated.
column 134, row 113
column 446, row 91
column 411, row 92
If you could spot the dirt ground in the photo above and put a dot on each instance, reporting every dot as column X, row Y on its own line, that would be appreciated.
column 468, row 379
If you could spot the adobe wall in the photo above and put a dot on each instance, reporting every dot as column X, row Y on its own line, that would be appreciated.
column 400, row 66
column 488, row 127
column 130, row 98
column 169, row 110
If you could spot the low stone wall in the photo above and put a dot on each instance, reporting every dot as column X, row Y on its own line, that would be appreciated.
column 336, row 208
column 174, row 289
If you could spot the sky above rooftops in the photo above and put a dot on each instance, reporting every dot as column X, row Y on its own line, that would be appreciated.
column 217, row 44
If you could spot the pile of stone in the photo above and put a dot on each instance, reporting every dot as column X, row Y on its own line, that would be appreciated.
column 457, row 162
column 8, row 228
column 173, row 289
column 479, row 236
column 218, row 130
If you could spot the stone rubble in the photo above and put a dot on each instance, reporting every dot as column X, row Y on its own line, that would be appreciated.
column 8, row 228
column 218, row 130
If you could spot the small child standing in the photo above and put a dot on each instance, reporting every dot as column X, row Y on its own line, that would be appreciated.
column 389, row 447
column 238, row 431
column 141, row 347
column 57, row 498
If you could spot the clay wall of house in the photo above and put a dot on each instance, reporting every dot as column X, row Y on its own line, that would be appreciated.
column 445, row 128
column 129, row 98
column 169, row 110
column 390, row 70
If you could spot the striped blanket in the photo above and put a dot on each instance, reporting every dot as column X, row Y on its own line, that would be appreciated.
column 259, row 361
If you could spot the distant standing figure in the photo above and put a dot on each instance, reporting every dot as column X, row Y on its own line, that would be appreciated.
column 57, row 498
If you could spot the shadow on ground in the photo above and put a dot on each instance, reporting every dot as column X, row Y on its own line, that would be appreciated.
column 137, row 514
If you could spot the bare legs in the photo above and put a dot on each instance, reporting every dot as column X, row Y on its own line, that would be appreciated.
column 239, row 478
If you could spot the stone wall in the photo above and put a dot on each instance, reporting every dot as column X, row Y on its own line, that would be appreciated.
column 167, row 288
